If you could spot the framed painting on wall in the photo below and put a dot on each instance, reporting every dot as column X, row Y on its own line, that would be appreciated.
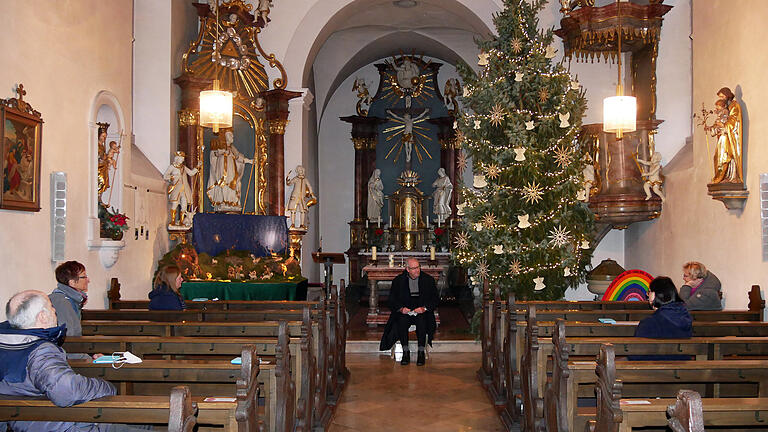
column 21, row 134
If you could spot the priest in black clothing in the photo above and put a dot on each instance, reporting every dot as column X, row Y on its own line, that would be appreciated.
column 413, row 299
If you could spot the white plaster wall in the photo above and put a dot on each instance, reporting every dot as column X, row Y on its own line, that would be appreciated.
column 65, row 54
column 153, row 111
column 692, row 225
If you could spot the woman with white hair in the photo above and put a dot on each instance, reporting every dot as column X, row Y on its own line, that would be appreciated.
column 701, row 290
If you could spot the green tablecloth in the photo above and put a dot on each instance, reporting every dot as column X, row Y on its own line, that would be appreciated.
column 294, row 290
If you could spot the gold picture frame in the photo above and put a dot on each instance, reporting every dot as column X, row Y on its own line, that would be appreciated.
column 21, row 130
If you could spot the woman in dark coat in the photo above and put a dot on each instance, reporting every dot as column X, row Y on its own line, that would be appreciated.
column 165, row 295
column 671, row 319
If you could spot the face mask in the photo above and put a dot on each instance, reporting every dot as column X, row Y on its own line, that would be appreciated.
column 118, row 359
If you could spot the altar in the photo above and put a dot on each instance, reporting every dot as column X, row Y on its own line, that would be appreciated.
column 383, row 272
column 288, row 290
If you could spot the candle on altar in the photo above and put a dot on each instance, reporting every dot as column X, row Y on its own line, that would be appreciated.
column 438, row 222
column 391, row 260
column 427, row 221
column 378, row 222
column 450, row 224
column 431, row 253
column 366, row 224
column 390, row 221
column 373, row 253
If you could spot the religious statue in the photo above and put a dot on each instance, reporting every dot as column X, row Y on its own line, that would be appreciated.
column 589, row 182
column 441, row 197
column 363, row 97
column 262, row 10
column 450, row 92
column 179, row 191
column 301, row 198
column 107, row 161
column 652, row 176
column 407, row 75
column 728, row 130
column 408, row 123
column 226, row 171
column 375, row 196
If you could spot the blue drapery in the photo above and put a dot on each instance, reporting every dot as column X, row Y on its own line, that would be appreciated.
column 213, row 233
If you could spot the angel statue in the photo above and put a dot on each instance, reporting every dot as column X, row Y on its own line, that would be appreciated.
column 652, row 176
column 179, row 191
column 364, row 98
column 450, row 92
column 441, row 197
column 262, row 10
column 302, row 198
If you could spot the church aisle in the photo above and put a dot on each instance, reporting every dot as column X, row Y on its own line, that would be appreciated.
column 444, row 395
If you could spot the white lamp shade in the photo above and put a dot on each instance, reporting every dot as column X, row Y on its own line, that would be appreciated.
column 619, row 114
column 215, row 109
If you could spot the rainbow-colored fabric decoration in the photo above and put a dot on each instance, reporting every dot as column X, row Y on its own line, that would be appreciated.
column 632, row 285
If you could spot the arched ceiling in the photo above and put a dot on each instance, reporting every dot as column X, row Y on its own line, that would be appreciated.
column 369, row 30
column 385, row 46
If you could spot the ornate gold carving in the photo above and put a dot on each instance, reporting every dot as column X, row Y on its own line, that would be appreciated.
column 237, row 3
column 261, row 147
column 188, row 117
column 279, row 83
column 360, row 143
column 294, row 243
column 447, row 143
column 277, row 126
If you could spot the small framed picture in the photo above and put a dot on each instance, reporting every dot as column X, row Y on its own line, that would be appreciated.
column 21, row 133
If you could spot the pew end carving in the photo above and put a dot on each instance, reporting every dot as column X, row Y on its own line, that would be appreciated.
column 533, row 404
column 686, row 415
column 183, row 411
column 555, row 398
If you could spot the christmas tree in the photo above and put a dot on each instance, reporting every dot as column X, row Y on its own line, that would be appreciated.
column 524, row 228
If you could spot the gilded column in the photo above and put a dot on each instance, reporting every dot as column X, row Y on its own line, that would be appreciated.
column 277, row 118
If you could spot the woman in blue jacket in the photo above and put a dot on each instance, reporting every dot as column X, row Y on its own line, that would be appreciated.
column 165, row 295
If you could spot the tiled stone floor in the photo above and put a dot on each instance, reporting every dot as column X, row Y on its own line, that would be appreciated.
column 442, row 396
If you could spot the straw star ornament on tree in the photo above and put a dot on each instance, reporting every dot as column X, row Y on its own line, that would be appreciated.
column 462, row 240
column 527, row 161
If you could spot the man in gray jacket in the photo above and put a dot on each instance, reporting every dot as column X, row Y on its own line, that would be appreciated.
column 33, row 364
column 701, row 290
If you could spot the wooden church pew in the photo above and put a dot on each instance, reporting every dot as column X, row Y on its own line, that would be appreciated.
column 570, row 379
column 177, row 411
column 617, row 414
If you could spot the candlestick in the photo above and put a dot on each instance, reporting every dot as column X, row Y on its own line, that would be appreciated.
column 373, row 253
